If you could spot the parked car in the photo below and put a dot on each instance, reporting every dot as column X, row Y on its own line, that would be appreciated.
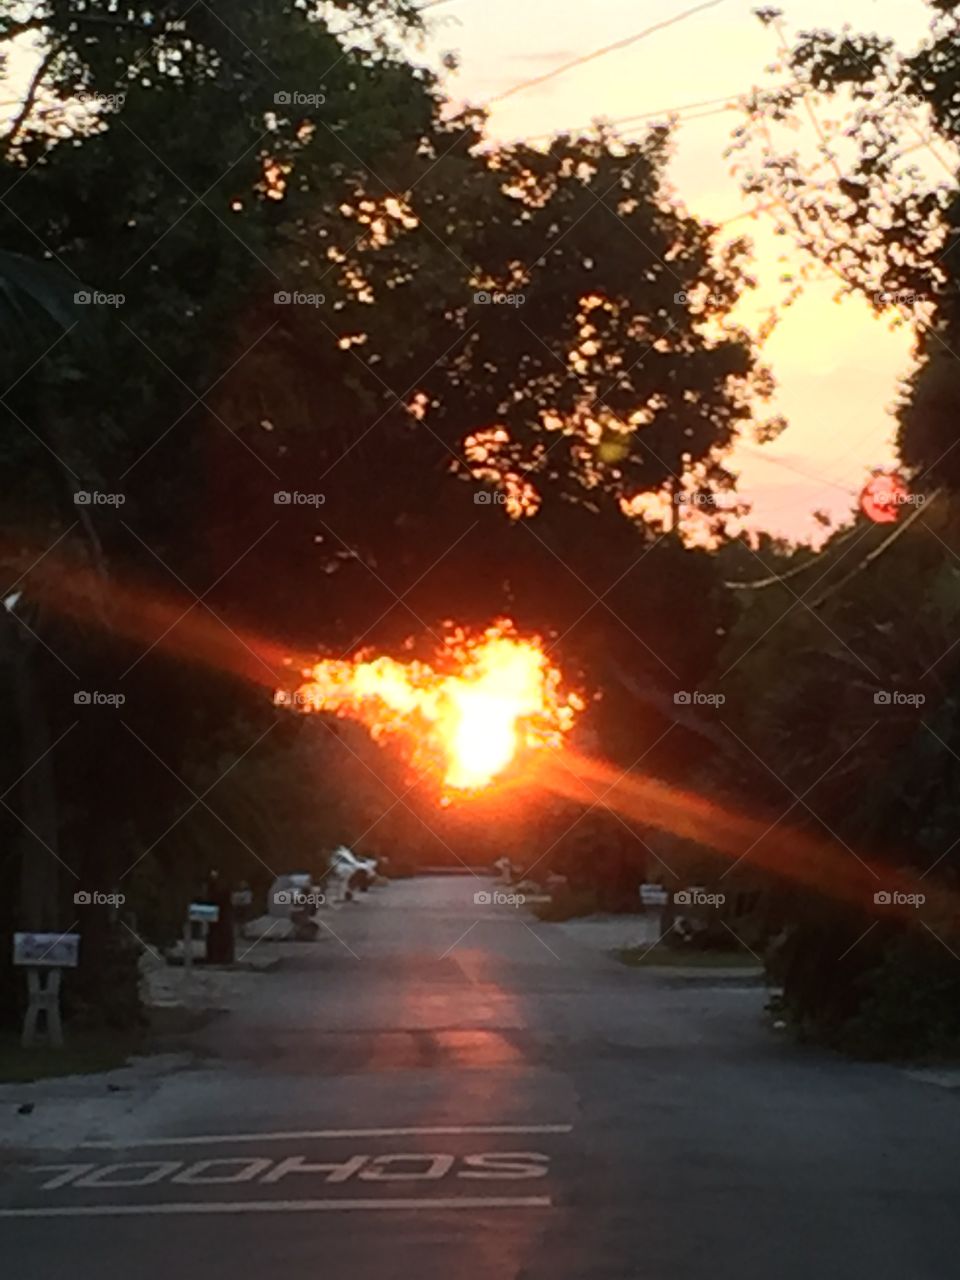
column 354, row 871
column 285, row 890
column 295, row 897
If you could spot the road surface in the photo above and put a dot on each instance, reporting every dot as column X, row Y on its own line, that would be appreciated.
column 451, row 1089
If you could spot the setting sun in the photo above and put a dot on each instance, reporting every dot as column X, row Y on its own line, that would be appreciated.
column 467, row 718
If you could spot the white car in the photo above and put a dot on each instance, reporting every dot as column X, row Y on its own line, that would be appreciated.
column 357, row 872
column 284, row 892
column 293, row 897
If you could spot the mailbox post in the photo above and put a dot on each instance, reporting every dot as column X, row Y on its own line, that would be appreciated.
column 197, row 913
column 655, row 895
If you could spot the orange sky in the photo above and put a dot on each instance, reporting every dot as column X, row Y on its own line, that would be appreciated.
column 836, row 364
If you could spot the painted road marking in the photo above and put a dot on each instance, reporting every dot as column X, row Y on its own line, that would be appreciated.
column 310, row 1134
column 206, row 1174
column 283, row 1206
column 414, row 1166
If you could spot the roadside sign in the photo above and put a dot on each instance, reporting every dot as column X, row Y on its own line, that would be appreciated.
column 653, row 895
column 43, row 955
column 203, row 913
column 47, row 950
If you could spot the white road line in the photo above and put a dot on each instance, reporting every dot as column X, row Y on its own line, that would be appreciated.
column 282, row 1206
column 203, row 1139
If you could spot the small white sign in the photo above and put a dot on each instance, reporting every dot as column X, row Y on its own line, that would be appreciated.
column 47, row 950
column 204, row 912
column 653, row 895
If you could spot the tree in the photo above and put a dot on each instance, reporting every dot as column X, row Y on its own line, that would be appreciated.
column 880, row 207
column 183, row 105
column 397, row 400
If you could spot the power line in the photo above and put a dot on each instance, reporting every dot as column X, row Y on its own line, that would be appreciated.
column 875, row 554
column 600, row 53
column 729, row 102
column 780, row 462
column 754, row 584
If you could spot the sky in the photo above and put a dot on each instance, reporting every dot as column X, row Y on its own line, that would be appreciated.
column 837, row 365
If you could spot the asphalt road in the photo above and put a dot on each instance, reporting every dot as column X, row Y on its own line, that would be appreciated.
column 446, row 1089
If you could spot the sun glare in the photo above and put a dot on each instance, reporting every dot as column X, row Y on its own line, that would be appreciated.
column 467, row 717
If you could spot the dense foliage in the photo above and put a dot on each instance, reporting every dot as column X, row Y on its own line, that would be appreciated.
column 246, row 253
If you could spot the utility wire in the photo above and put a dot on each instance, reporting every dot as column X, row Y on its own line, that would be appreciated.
column 756, row 583
column 730, row 103
column 600, row 53
column 780, row 462
column 875, row 554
